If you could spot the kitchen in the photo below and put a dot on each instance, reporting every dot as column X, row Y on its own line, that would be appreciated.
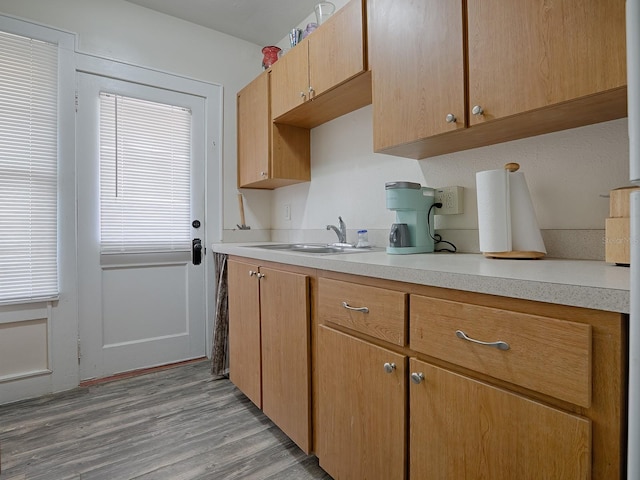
column 347, row 177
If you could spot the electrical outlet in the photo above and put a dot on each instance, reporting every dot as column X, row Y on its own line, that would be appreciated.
column 452, row 200
column 287, row 211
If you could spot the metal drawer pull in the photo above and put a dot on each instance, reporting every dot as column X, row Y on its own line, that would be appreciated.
column 357, row 309
column 417, row 377
column 500, row 345
column 389, row 367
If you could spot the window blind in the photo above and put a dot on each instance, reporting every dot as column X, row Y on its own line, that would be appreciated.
column 28, row 169
column 145, row 182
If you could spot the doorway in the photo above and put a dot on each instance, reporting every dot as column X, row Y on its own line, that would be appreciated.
column 142, row 291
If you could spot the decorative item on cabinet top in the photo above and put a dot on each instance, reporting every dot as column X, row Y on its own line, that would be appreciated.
column 323, row 11
column 270, row 55
column 309, row 30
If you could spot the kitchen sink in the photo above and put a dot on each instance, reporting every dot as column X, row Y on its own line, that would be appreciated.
column 317, row 248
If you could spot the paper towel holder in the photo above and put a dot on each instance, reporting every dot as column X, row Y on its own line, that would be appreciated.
column 514, row 254
column 512, row 166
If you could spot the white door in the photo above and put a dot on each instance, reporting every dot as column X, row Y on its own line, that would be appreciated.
column 138, row 306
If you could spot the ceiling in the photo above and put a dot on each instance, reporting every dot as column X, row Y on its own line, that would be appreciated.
column 263, row 22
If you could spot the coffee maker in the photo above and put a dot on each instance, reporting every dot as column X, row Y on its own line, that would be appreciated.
column 410, row 232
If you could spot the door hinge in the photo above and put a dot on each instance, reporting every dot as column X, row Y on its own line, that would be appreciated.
column 76, row 101
column 79, row 353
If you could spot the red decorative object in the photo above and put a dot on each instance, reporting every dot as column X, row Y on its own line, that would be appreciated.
column 270, row 56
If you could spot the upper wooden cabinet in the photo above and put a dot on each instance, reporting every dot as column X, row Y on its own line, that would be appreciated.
column 532, row 54
column 269, row 155
column 305, row 80
column 531, row 67
column 290, row 77
column 417, row 61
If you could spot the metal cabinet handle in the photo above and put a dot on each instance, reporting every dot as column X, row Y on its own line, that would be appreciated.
column 263, row 174
column 311, row 90
column 417, row 377
column 389, row 367
column 356, row 309
column 260, row 275
column 450, row 118
column 302, row 95
column 477, row 110
column 252, row 273
column 500, row 345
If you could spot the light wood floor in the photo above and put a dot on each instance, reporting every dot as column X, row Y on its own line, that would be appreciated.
column 174, row 424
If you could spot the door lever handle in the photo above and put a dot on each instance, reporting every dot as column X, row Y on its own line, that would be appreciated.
column 196, row 251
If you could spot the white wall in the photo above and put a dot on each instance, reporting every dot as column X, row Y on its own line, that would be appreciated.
column 129, row 33
column 125, row 32
column 567, row 173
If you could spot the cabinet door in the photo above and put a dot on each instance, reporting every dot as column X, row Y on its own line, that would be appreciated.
column 416, row 56
column 253, row 131
column 286, row 358
column 362, row 409
column 244, row 330
column 525, row 55
column 336, row 50
column 462, row 428
column 290, row 80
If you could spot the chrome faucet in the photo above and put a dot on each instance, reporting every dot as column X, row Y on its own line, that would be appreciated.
column 341, row 230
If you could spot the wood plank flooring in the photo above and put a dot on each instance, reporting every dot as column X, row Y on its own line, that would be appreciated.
column 176, row 424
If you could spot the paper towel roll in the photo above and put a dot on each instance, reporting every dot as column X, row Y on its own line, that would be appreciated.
column 506, row 218
column 525, row 234
column 494, row 213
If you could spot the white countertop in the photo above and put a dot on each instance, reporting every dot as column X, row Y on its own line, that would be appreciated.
column 580, row 283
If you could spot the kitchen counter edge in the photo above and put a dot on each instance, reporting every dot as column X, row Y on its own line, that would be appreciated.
column 579, row 283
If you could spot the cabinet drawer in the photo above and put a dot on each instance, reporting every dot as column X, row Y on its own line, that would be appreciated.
column 544, row 354
column 373, row 311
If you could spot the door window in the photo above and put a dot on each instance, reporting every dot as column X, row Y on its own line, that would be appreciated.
column 145, row 185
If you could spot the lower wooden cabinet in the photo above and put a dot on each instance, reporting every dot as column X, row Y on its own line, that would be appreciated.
column 493, row 387
column 269, row 344
column 245, row 364
column 362, row 408
column 464, row 428
column 453, row 385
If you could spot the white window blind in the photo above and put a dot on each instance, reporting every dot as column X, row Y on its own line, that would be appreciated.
column 145, row 152
column 28, row 169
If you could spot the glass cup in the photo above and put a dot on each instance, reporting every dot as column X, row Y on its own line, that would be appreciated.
column 323, row 11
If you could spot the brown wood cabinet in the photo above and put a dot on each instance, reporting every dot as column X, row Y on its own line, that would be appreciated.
column 529, row 390
column 362, row 411
column 478, row 73
column 463, row 428
column 543, row 354
column 417, row 60
column 245, row 362
column 269, row 344
column 529, row 55
column 269, row 156
column 411, row 397
column 331, row 56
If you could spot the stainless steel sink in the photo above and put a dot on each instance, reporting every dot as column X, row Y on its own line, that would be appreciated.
column 312, row 248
